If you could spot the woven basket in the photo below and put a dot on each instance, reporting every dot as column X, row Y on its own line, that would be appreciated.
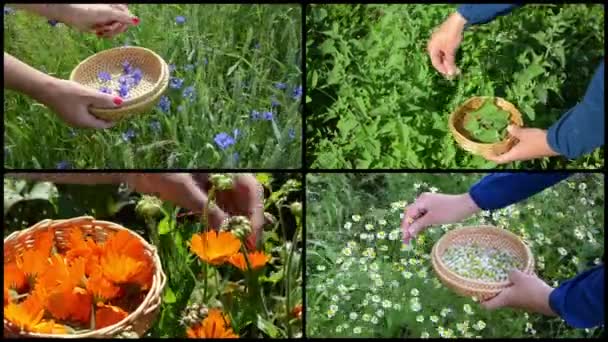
column 154, row 82
column 457, row 122
column 488, row 236
column 138, row 322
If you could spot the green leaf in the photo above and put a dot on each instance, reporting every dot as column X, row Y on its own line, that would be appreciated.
column 169, row 296
column 267, row 327
column 166, row 226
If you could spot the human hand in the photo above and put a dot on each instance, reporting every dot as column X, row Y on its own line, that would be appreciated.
column 444, row 42
column 430, row 209
column 528, row 292
column 532, row 144
column 107, row 20
column 71, row 102
column 190, row 191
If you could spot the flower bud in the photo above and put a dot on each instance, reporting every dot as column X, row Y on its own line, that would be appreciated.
column 221, row 181
column 296, row 209
column 237, row 225
column 149, row 207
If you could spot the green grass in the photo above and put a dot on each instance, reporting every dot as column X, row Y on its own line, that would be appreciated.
column 569, row 215
column 239, row 52
column 375, row 101
column 267, row 316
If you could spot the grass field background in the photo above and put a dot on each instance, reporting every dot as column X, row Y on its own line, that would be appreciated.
column 275, row 314
column 361, row 281
column 238, row 58
column 375, row 101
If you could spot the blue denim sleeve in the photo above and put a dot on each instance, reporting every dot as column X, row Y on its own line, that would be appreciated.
column 581, row 129
column 499, row 190
column 580, row 300
column 481, row 14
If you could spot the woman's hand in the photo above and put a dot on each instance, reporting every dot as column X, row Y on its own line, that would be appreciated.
column 444, row 42
column 528, row 293
column 430, row 209
column 71, row 102
column 532, row 144
column 107, row 20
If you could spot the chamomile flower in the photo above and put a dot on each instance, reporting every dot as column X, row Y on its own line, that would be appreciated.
column 419, row 318
column 356, row 218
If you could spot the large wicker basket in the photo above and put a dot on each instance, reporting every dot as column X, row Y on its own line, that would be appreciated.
column 459, row 116
column 138, row 322
column 143, row 97
column 486, row 236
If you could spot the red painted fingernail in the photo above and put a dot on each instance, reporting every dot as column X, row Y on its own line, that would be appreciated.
column 135, row 20
column 117, row 101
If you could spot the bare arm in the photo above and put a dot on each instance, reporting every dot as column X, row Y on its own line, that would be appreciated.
column 73, row 178
column 51, row 11
column 23, row 78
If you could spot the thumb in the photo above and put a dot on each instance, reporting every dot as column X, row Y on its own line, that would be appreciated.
column 417, row 226
column 517, row 276
column 515, row 131
column 102, row 100
column 501, row 300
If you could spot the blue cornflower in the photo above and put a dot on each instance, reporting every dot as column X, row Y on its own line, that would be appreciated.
column 105, row 90
column 128, row 135
column 164, row 104
column 255, row 115
column 137, row 75
column 62, row 165
column 291, row 133
column 171, row 67
column 280, row 85
column 189, row 93
column 175, row 83
column 53, row 22
column 123, row 80
column 104, row 76
column 8, row 10
column 180, row 19
column 274, row 102
column 126, row 67
column 297, row 92
column 123, row 91
column 267, row 116
column 224, row 140
column 189, row 67
column 155, row 126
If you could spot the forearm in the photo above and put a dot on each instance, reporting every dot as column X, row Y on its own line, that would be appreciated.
column 581, row 129
column 580, row 301
column 50, row 11
column 23, row 78
column 499, row 190
column 73, row 178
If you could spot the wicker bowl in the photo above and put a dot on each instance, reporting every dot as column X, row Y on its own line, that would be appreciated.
column 458, row 119
column 138, row 322
column 155, row 72
column 488, row 236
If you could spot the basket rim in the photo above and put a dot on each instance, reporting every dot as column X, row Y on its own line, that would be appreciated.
column 475, row 282
column 456, row 132
column 150, row 303
column 121, row 112
column 143, row 49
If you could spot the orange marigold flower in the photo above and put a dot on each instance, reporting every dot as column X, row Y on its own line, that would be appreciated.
column 101, row 288
column 120, row 268
column 44, row 241
column 26, row 314
column 256, row 260
column 215, row 325
column 106, row 315
column 72, row 303
column 126, row 243
column 33, row 262
column 213, row 247
column 14, row 277
column 7, row 296
column 89, row 250
column 50, row 327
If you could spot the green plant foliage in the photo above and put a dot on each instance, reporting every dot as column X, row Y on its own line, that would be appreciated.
column 487, row 124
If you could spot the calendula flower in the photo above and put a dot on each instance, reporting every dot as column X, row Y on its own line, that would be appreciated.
column 215, row 247
column 26, row 314
column 215, row 325
column 33, row 262
column 75, row 304
column 101, row 288
column 257, row 260
column 120, row 269
column 14, row 277
column 87, row 249
column 106, row 315
column 50, row 327
column 124, row 260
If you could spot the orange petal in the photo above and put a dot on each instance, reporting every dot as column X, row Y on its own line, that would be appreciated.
column 121, row 269
column 50, row 327
column 107, row 315
column 213, row 247
column 14, row 277
column 102, row 288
